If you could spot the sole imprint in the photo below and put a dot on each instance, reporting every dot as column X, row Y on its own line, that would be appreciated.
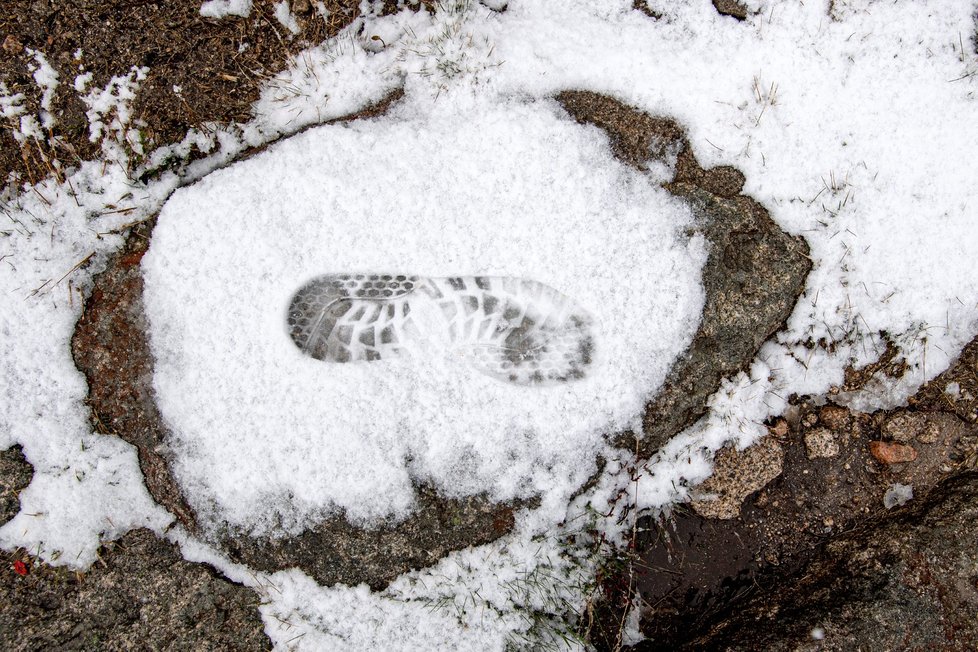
column 513, row 329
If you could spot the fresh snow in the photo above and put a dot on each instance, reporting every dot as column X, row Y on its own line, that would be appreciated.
column 498, row 189
column 854, row 126
column 222, row 8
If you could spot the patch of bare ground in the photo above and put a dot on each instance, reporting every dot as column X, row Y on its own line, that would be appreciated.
column 842, row 477
column 200, row 70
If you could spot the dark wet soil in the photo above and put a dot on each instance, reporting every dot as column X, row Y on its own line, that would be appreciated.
column 695, row 574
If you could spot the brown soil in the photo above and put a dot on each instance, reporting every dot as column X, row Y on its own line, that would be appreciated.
column 218, row 65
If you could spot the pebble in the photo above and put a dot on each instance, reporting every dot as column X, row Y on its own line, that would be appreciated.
column 891, row 452
column 821, row 442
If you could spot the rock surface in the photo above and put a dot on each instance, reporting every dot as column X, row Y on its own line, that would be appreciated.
column 736, row 475
column 142, row 596
column 15, row 474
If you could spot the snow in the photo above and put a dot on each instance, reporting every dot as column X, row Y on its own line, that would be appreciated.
column 46, row 79
column 897, row 495
column 218, row 9
column 557, row 208
column 284, row 16
column 854, row 127
column 86, row 486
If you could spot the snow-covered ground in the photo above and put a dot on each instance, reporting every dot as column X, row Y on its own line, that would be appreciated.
column 855, row 125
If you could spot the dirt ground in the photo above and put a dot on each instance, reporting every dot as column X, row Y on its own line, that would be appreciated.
column 699, row 578
column 200, row 70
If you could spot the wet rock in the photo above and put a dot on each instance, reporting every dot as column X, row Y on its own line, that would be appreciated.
column 892, row 453
column 821, row 443
column 141, row 596
column 909, row 584
column 336, row 552
column 736, row 475
column 15, row 475
column 834, row 417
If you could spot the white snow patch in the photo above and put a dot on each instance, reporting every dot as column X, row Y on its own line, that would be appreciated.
column 222, row 8
column 46, row 77
column 87, row 487
column 285, row 17
column 273, row 436
column 897, row 495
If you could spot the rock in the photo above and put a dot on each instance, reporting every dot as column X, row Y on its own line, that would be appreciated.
column 731, row 8
column 736, row 475
column 834, row 417
column 821, row 443
column 780, row 428
column 142, row 596
column 905, row 427
column 753, row 275
column 12, row 45
column 892, row 453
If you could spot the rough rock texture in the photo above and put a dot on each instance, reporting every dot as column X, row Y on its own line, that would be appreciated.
column 736, row 475
column 909, row 584
column 337, row 552
column 15, row 474
column 753, row 275
column 731, row 8
column 142, row 596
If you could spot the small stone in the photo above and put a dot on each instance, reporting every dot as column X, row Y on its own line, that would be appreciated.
column 929, row 434
column 301, row 7
column 891, row 452
column 901, row 427
column 821, row 443
column 779, row 429
column 834, row 417
column 12, row 46
column 730, row 8
column 809, row 419
column 736, row 475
